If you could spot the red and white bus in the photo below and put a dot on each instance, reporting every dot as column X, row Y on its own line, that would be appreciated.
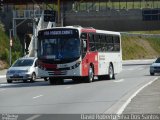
column 78, row 53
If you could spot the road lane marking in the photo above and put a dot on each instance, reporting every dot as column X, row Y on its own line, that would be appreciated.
column 33, row 117
column 5, row 85
column 37, row 96
column 2, row 76
column 120, row 111
column 68, row 87
column 121, row 80
column 2, row 90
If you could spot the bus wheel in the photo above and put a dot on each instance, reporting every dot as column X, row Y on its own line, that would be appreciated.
column 76, row 80
column 90, row 75
column 59, row 81
column 102, row 77
column 111, row 72
column 51, row 81
column 151, row 73
column 56, row 81
column 9, row 81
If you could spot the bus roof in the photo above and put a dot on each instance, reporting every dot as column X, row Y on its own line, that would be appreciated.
column 85, row 29
column 108, row 32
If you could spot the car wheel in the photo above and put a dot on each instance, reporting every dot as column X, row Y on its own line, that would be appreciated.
column 33, row 77
column 9, row 81
column 151, row 73
column 45, row 79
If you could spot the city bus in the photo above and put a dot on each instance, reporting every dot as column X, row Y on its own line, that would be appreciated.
column 78, row 53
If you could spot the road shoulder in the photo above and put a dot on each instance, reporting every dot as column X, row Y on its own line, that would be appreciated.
column 146, row 101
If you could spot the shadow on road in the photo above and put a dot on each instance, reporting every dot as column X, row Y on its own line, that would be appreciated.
column 18, row 84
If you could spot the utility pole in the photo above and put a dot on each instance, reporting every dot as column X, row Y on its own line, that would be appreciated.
column 59, row 11
column 10, row 46
column 1, row 5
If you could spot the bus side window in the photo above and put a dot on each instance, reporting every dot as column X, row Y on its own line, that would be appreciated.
column 96, row 40
column 91, row 42
column 103, row 44
column 99, row 47
column 116, row 43
column 110, row 43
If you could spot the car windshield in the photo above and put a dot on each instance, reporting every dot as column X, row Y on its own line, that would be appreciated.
column 23, row 62
column 158, row 60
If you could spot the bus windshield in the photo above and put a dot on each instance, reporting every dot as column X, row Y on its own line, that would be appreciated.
column 60, row 49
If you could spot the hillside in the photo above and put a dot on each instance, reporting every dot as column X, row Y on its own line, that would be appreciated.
column 4, row 48
column 140, row 47
column 4, row 41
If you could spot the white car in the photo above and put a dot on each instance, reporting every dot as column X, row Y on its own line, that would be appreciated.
column 23, row 69
column 155, row 67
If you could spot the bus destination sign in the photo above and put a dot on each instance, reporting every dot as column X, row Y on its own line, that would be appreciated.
column 60, row 32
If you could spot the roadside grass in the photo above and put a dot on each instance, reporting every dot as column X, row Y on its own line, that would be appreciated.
column 155, row 44
column 132, row 50
column 136, row 47
column 4, row 41
column 4, row 48
column 146, row 32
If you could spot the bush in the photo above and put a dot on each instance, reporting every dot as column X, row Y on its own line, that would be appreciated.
column 16, row 49
column 4, row 47
column 5, row 54
column 15, row 56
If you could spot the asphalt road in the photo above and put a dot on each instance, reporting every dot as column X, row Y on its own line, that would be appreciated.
column 107, row 96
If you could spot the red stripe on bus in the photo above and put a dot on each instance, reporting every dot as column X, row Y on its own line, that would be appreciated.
column 90, row 58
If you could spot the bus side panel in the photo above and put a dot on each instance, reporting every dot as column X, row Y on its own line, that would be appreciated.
column 106, row 58
column 90, row 59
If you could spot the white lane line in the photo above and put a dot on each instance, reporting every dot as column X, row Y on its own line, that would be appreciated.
column 7, row 84
column 121, row 80
column 2, row 90
column 37, row 96
column 33, row 117
column 68, row 87
column 2, row 76
column 120, row 111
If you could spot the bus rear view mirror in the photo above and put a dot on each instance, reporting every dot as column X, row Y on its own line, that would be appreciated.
column 84, row 36
column 84, row 44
